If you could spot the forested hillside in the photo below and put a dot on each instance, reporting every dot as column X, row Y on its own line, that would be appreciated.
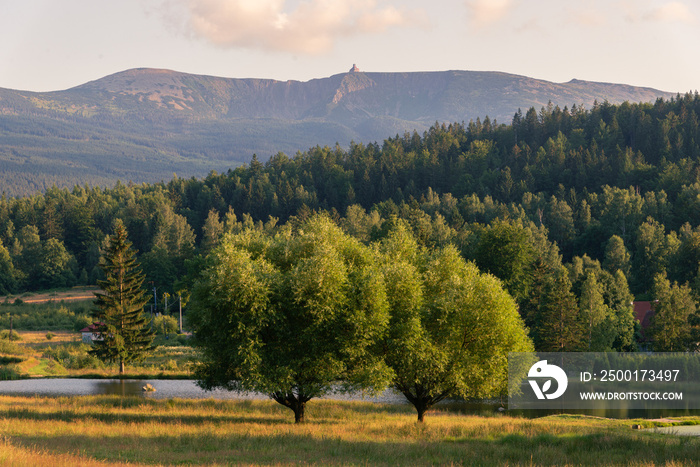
column 146, row 124
column 576, row 211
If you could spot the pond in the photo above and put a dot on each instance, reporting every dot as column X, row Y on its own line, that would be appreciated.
column 165, row 389
column 188, row 389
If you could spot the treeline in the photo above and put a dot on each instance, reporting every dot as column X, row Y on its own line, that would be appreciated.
column 610, row 195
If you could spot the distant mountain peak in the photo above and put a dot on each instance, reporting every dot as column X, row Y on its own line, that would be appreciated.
column 198, row 122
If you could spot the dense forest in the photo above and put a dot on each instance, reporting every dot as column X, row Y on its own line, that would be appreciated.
column 578, row 211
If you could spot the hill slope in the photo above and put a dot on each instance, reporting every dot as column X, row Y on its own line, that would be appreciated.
column 146, row 124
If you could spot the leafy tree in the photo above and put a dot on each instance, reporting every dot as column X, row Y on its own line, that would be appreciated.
column 674, row 310
column 505, row 250
column 654, row 249
column 616, row 256
column 290, row 315
column 619, row 298
column 451, row 326
column 595, row 316
column 56, row 267
column 211, row 231
column 8, row 281
column 551, row 311
column 118, row 312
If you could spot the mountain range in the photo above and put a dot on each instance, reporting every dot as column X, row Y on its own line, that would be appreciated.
column 143, row 125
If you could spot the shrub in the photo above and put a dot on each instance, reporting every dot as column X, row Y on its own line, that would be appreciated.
column 5, row 335
column 165, row 325
column 8, row 348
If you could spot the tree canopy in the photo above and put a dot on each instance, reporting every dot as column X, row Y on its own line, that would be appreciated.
column 451, row 326
column 291, row 315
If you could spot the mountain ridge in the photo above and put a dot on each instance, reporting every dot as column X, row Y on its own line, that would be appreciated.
column 143, row 124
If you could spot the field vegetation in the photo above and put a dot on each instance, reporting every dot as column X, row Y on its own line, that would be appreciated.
column 65, row 355
column 135, row 430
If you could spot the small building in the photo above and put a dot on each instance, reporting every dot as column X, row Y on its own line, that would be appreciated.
column 90, row 333
column 354, row 69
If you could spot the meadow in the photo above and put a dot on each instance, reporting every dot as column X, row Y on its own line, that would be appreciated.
column 99, row 430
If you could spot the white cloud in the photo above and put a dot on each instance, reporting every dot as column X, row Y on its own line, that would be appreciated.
column 670, row 12
column 305, row 27
column 484, row 12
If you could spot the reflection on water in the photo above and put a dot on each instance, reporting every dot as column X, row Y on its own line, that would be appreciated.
column 118, row 387
column 187, row 389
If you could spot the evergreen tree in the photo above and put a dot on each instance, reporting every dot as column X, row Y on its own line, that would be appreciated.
column 551, row 311
column 123, row 327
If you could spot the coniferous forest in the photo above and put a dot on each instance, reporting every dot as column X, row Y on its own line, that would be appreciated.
column 577, row 211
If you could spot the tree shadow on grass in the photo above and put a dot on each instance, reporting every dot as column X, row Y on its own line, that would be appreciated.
column 205, row 447
column 122, row 417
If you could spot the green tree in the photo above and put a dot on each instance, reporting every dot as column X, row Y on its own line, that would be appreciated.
column 619, row 298
column 212, row 231
column 616, row 256
column 8, row 281
column 56, row 267
column 551, row 311
column 595, row 316
column 118, row 312
column 674, row 312
column 451, row 326
column 290, row 315
column 653, row 251
column 505, row 250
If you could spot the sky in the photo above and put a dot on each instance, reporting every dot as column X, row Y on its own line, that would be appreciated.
column 48, row 45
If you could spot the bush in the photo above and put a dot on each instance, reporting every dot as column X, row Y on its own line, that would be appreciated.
column 8, row 348
column 6, row 333
column 73, row 357
column 165, row 325
column 49, row 336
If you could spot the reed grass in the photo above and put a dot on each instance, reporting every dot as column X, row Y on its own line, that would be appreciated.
column 92, row 430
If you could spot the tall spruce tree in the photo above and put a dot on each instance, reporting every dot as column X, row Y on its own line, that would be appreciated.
column 118, row 312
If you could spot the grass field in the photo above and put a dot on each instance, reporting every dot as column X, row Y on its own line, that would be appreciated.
column 75, row 293
column 64, row 355
column 111, row 430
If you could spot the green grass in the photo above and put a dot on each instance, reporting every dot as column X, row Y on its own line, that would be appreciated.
column 65, row 355
column 142, row 431
column 45, row 317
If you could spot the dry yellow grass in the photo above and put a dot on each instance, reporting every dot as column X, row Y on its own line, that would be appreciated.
column 141, row 431
column 76, row 293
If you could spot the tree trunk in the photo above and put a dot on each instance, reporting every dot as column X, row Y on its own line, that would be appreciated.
column 420, row 398
column 299, row 412
column 295, row 402
column 421, row 406
column 121, row 367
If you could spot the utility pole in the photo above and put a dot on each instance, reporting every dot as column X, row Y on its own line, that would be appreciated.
column 154, row 303
column 165, row 311
column 179, row 299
